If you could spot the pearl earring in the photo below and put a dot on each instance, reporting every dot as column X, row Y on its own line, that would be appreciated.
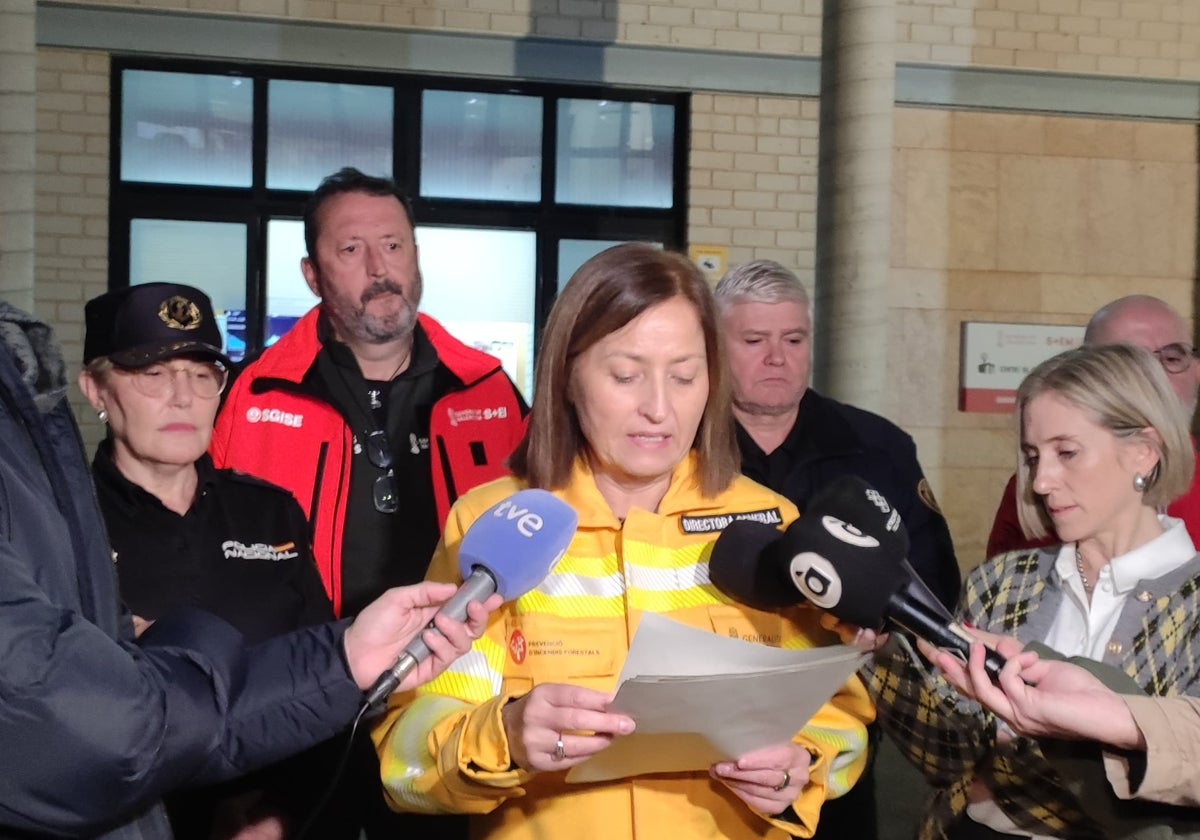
column 1140, row 483
column 102, row 416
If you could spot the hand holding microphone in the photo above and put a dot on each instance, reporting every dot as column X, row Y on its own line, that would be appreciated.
column 508, row 550
column 402, row 614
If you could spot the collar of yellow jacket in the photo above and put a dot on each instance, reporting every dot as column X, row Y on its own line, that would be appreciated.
column 683, row 495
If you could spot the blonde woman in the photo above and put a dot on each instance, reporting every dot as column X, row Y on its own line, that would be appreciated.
column 1103, row 447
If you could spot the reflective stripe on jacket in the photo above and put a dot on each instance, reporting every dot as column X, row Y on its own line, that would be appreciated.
column 445, row 748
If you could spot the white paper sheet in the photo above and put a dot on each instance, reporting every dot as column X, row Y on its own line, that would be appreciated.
column 699, row 698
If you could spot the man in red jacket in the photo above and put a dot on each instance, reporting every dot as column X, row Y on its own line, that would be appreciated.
column 371, row 414
column 1150, row 323
column 374, row 417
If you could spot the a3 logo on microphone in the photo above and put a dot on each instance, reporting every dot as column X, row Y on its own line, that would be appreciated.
column 816, row 578
column 848, row 533
column 850, row 527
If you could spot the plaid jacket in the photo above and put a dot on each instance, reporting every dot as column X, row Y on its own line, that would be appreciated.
column 952, row 740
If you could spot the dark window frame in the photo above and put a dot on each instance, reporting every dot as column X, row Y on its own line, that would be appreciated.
column 257, row 204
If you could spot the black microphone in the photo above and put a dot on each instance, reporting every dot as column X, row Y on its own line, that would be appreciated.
column 845, row 555
column 747, row 565
column 848, row 557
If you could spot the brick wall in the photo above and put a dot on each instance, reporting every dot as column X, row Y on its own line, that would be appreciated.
column 71, row 234
column 1147, row 38
column 1030, row 219
column 754, row 178
column 17, row 134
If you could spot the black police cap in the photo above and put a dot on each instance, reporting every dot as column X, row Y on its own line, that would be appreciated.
column 139, row 325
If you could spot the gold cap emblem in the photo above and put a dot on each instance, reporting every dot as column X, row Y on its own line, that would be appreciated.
column 179, row 313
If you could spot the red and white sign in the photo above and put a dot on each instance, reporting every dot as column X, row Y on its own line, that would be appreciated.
column 996, row 357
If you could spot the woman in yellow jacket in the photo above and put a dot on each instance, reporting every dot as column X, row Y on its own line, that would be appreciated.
column 630, row 426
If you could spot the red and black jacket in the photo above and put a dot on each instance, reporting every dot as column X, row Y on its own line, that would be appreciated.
column 274, row 428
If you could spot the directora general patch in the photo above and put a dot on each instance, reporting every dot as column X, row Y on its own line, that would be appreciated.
column 719, row 522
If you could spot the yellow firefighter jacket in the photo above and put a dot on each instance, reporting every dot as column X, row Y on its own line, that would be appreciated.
column 444, row 749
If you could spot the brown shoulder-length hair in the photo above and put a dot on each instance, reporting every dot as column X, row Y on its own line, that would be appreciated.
column 606, row 293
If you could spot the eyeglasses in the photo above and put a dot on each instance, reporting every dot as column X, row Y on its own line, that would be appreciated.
column 207, row 380
column 384, row 490
column 1175, row 358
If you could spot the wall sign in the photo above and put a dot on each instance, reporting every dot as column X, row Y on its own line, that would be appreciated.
column 713, row 260
column 996, row 357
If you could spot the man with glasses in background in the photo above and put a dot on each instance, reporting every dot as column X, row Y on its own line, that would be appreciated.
column 1149, row 323
column 371, row 414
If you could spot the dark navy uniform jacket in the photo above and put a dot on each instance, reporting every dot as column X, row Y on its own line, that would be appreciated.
column 94, row 728
column 831, row 439
column 241, row 552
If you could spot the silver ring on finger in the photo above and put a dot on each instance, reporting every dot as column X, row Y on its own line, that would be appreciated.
column 559, row 750
column 787, row 781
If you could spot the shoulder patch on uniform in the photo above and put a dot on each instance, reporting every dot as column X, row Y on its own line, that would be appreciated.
column 925, row 492
column 719, row 522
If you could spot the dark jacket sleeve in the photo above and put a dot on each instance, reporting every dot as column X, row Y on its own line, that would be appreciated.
column 931, row 550
column 94, row 729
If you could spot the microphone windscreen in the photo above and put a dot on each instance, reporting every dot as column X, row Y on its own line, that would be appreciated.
column 846, row 552
column 864, row 509
column 745, row 565
column 519, row 540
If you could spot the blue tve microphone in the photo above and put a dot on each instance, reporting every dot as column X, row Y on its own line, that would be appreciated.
column 509, row 549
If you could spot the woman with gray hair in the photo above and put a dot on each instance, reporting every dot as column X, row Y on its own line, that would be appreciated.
column 1103, row 446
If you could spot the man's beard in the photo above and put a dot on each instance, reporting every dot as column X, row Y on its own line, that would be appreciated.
column 382, row 330
column 375, row 329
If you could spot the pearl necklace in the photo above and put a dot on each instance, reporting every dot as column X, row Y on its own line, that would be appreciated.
column 1087, row 585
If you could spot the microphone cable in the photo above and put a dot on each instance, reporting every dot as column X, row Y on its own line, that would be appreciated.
column 338, row 771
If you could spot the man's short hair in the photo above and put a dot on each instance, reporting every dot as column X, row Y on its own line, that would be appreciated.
column 1124, row 390
column 760, row 281
column 347, row 180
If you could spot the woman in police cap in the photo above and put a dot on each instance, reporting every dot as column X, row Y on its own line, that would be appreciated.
column 187, row 534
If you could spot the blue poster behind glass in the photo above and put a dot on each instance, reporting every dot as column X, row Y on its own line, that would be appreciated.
column 277, row 325
column 233, row 327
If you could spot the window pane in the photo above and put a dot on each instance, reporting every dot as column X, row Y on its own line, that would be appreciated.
column 479, row 284
column 615, row 153
column 208, row 255
column 316, row 128
column 186, row 128
column 573, row 253
column 288, row 295
column 481, row 146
